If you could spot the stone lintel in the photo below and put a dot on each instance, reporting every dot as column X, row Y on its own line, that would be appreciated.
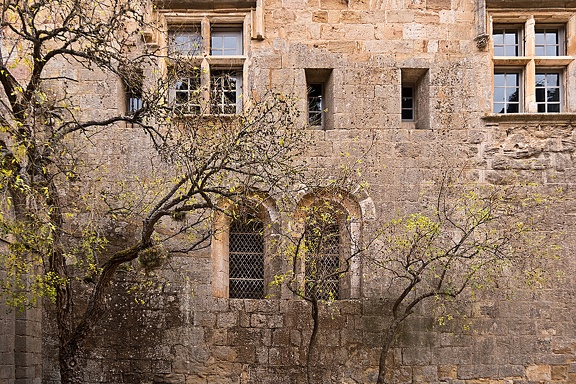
column 205, row 4
column 531, row 4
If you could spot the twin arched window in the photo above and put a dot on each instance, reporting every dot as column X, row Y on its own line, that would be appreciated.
column 242, row 251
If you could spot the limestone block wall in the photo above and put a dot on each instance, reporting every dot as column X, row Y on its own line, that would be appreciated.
column 182, row 334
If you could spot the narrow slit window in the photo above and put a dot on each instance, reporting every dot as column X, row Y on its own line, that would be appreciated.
column 134, row 99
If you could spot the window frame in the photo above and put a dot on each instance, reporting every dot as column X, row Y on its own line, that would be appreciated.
column 262, row 207
column 508, row 71
column 190, row 76
column 560, row 87
column 412, row 98
column 519, row 33
column 531, row 64
column 220, row 105
column 560, row 33
column 329, row 287
column 223, row 32
column 207, row 61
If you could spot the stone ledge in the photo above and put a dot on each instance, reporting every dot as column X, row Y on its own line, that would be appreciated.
column 205, row 4
column 533, row 4
column 530, row 117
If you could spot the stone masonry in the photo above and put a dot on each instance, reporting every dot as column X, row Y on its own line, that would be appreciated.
column 363, row 52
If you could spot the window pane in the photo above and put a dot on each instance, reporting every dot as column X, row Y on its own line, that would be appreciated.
column 551, row 37
column 554, row 108
column 226, row 41
column 499, row 79
column 552, row 51
column 552, row 79
column 512, row 108
column 540, row 94
column 553, row 95
column 407, row 114
column 185, row 42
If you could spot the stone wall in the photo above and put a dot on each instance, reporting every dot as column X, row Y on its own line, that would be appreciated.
column 180, row 333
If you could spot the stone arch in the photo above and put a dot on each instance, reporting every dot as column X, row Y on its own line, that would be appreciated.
column 350, row 223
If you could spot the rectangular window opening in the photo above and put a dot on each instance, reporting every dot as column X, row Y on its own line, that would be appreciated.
column 507, row 92
column 549, row 41
column 226, row 92
column 226, row 41
column 414, row 96
column 186, row 41
column 319, row 100
column 186, row 93
column 315, row 104
column 507, row 41
column 133, row 93
column 408, row 105
column 549, row 91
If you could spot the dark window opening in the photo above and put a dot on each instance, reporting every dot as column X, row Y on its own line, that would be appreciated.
column 315, row 104
column 408, row 104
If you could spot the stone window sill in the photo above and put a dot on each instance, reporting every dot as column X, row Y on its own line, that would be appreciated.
column 530, row 117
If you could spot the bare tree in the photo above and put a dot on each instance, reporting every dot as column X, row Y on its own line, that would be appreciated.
column 58, row 211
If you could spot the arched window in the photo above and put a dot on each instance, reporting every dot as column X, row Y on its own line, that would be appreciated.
column 246, row 258
column 242, row 249
column 323, row 259
column 328, row 226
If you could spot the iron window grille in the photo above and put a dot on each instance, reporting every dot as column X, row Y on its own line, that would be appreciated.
column 407, row 103
column 315, row 105
column 246, row 258
column 322, row 279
